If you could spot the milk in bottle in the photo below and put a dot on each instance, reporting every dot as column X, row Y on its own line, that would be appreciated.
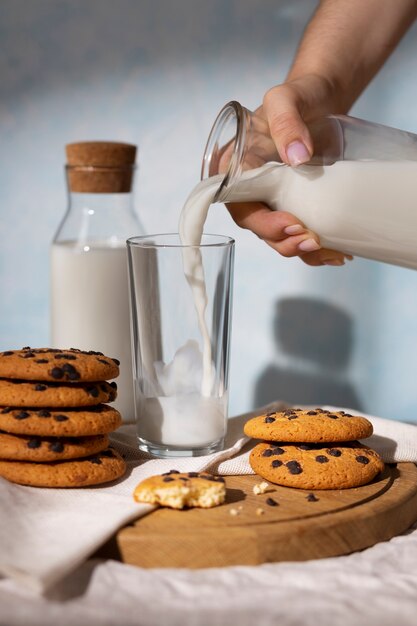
column 89, row 282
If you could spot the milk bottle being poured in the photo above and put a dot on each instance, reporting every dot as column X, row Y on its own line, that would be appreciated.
column 358, row 193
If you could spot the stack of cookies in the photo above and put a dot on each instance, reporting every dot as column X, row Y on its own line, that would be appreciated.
column 313, row 449
column 53, row 423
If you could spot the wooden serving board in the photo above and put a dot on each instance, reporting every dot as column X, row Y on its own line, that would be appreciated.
column 340, row 522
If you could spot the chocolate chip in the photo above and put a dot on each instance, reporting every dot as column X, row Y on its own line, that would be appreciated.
column 34, row 443
column 116, row 361
column 93, row 391
column 22, row 415
column 271, row 502
column 311, row 412
column 7, row 409
column 27, row 348
column 103, row 387
column 294, row 467
column 7, row 353
column 183, row 478
column 95, row 460
column 312, row 498
column 269, row 420
column 293, row 417
column 321, row 458
column 362, row 459
column 325, row 411
column 29, row 355
column 41, row 360
column 114, row 385
column 43, row 413
column 348, row 415
column 41, row 387
column 276, row 463
column 193, row 474
column 304, row 446
column 167, row 479
column 333, row 416
column 70, row 372
column 57, row 373
column 67, row 357
column 56, row 446
column 102, row 361
column 334, row 452
column 61, row 418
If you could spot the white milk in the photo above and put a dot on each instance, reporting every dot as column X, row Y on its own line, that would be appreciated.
column 95, row 280
column 363, row 208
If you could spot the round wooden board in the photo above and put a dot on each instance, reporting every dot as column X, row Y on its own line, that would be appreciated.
column 339, row 522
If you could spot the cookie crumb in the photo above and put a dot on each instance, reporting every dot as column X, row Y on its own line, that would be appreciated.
column 234, row 512
column 260, row 511
column 260, row 488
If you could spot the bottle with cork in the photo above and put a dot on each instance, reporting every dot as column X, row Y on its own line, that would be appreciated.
column 89, row 281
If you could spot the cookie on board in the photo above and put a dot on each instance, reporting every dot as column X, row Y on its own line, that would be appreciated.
column 42, row 449
column 52, row 364
column 316, row 466
column 102, row 467
column 75, row 422
column 179, row 490
column 309, row 425
column 20, row 393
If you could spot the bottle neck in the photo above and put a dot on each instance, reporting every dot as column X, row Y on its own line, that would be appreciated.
column 238, row 141
column 98, row 218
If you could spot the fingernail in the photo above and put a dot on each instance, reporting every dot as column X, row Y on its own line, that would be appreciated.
column 297, row 153
column 293, row 230
column 334, row 262
column 309, row 245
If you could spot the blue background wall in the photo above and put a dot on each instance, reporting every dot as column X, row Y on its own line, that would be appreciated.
column 156, row 73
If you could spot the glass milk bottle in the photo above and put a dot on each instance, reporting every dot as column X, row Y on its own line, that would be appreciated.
column 358, row 192
column 89, row 283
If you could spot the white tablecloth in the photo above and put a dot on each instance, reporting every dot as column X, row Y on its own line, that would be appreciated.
column 377, row 587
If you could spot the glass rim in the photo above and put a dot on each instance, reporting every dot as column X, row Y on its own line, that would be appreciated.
column 100, row 168
column 145, row 241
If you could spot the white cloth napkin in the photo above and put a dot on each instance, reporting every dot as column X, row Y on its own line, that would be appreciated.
column 46, row 533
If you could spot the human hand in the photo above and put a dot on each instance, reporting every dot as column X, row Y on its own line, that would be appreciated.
column 287, row 108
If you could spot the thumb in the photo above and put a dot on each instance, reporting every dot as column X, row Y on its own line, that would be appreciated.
column 287, row 127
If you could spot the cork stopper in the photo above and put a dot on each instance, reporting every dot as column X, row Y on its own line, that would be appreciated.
column 100, row 166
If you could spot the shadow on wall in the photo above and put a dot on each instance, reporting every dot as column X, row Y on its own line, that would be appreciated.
column 314, row 339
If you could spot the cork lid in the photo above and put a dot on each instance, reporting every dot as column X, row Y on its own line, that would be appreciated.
column 100, row 166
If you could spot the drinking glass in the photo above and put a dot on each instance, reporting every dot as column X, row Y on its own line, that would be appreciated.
column 181, row 302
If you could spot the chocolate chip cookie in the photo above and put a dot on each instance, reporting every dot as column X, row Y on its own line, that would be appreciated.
column 100, row 468
column 75, row 422
column 310, row 425
column 41, row 449
column 50, row 364
column 316, row 466
column 21, row 393
column 179, row 490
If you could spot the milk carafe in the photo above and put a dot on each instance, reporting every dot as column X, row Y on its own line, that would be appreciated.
column 89, row 284
column 358, row 192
